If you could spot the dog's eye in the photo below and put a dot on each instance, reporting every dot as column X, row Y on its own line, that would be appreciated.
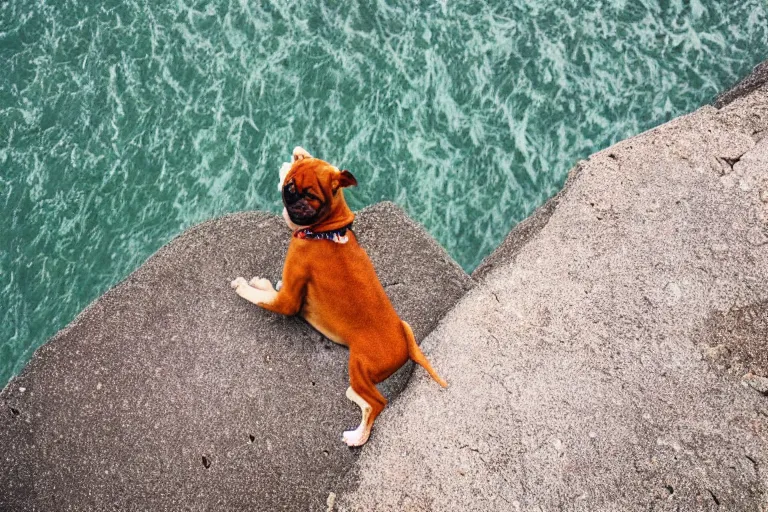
column 310, row 195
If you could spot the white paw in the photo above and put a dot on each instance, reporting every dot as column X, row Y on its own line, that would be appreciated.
column 278, row 285
column 261, row 283
column 356, row 437
column 300, row 153
column 239, row 281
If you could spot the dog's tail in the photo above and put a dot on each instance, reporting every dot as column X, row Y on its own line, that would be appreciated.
column 415, row 353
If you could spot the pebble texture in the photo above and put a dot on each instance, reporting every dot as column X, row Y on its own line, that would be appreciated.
column 581, row 366
column 171, row 392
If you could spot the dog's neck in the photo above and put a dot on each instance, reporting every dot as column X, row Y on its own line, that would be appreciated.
column 339, row 217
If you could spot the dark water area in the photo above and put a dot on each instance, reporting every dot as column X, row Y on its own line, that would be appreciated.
column 122, row 123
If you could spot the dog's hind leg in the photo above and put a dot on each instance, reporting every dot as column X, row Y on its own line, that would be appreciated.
column 363, row 392
column 360, row 435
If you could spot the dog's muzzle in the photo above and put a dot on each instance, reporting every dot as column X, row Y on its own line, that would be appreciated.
column 302, row 213
column 299, row 210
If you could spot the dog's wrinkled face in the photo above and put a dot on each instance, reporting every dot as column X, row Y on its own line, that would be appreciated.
column 310, row 188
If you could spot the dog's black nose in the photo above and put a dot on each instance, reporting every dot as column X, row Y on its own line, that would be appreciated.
column 290, row 194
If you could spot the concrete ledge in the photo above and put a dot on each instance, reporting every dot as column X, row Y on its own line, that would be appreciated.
column 612, row 356
column 170, row 392
column 525, row 231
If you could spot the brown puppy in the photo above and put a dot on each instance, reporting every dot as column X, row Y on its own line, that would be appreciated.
column 330, row 281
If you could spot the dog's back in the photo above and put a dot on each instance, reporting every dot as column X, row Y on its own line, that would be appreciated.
column 345, row 301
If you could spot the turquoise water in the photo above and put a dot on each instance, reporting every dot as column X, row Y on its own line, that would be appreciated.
column 124, row 122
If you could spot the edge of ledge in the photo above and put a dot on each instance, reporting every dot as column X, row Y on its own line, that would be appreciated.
column 757, row 78
column 526, row 230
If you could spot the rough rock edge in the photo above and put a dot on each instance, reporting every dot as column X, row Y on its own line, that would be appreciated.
column 523, row 232
column 756, row 79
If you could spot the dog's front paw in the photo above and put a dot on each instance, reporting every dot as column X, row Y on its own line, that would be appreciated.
column 356, row 437
column 239, row 281
column 261, row 283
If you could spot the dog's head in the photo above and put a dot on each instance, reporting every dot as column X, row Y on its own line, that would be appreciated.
column 312, row 194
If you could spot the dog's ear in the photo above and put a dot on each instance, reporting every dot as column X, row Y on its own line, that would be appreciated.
column 344, row 179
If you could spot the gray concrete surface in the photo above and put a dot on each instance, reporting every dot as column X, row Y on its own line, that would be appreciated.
column 170, row 392
column 597, row 366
